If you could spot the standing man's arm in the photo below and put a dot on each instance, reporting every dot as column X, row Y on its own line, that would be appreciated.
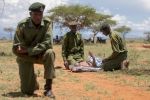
column 115, row 47
column 64, row 51
column 64, row 48
column 82, row 48
column 19, row 42
column 44, row 45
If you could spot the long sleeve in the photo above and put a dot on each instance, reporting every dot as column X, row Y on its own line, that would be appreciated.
column 44, row 45
column 79, row 45
column 72, row 45
column 64, row 48
column 117, row 46
column 82, row 48
column 18, row 39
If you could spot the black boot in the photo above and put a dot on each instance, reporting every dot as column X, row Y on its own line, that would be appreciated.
column 48, row 88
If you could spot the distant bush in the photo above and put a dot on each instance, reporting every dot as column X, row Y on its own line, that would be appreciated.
column 5, row 54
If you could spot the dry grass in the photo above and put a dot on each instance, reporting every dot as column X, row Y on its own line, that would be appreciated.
column 82, row 86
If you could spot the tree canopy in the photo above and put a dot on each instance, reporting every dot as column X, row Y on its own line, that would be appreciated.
column 85, row 15
column 123, row 29
column 10, row 30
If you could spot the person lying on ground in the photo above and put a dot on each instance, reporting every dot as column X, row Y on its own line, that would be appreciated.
column 92, row 64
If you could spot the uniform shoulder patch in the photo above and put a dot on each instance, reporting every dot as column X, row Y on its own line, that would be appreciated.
column 23, row 21
column 68, row 34
column 21, row 25
column 47, row 19
column 78, row 33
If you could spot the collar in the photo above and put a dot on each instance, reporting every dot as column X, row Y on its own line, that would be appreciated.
column 32, row 25
column 74, row 33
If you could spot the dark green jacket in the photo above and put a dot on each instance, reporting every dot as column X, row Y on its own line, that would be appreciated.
column 72, row 45
column 35, row 40
column 117, row 43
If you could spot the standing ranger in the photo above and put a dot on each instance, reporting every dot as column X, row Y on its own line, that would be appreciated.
column 33, row 44
column 73, row 46
column 118, row 58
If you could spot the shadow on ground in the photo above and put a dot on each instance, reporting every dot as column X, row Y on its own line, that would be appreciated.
column 137, row 72
column 58, row 67
column 17, row 94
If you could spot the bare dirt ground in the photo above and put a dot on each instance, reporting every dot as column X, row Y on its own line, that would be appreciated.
column 97, row 86
column 130, row 85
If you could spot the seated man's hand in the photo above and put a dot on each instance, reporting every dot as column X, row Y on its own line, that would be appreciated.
column 21, row 50
column 66, row 64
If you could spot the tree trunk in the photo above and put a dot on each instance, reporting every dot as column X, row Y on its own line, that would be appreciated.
column 11, row 37
column 94, row 38
column 124, row 34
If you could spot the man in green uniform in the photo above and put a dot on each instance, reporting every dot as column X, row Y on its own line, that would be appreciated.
column 73, row 46
column 33, row 44
column 118, row 58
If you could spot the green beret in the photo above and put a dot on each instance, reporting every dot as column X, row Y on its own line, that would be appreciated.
column 37, row 6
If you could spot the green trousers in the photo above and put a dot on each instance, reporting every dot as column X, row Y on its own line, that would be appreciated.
column 26, row 69
column 114, row 64
column 73, row 59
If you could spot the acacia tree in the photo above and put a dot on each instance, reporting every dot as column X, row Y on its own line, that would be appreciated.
column 10, row 30
column 124, row 30
column 87, row 16
column 96, row 27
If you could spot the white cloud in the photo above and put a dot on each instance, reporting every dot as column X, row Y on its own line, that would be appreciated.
column 120, row 19
column 143, row 26
column 145, row 4
column 11, row 1
column 105, row 11
column 50, row 3
column 16, row 10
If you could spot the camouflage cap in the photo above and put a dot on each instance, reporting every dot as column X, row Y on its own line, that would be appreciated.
column 37, row 6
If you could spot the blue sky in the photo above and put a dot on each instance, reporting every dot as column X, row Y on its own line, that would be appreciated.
column 133, row 13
